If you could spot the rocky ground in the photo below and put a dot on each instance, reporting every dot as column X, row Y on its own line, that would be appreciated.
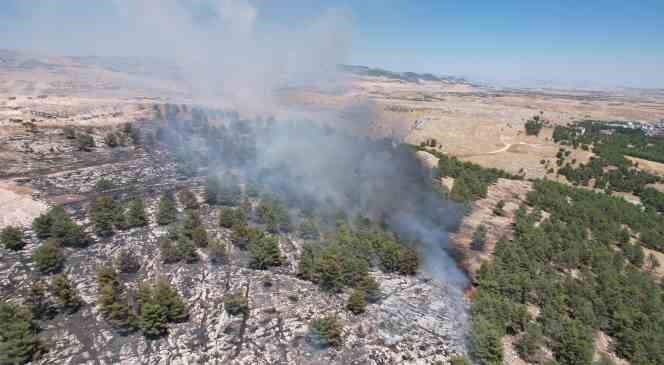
column 417, row 321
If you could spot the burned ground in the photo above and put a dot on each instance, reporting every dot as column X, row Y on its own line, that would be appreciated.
column 418, row 319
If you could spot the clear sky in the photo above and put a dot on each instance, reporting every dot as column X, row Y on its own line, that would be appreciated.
column 600, row 42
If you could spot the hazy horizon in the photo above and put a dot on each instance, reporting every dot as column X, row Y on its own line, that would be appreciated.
column 512, row 42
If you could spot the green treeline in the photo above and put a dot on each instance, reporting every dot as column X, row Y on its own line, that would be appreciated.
column 579, row 268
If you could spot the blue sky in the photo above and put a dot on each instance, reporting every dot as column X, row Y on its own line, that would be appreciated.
column 601, row 42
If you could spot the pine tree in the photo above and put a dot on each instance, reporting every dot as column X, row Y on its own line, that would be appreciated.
column 104, row 216
column 357, row 302
column 66, row 293
column 265, row 253
column 218, row 252
column 326, row 331
column 48, row 257
column 188, row 199
column 12, row 238
column 18, row 334
column 479, row 238
column 167, row 212
column 137, row 217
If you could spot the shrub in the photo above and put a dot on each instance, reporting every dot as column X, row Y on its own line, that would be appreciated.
column 485, row 342
column 66, row 293
column 188, row 199
column 326, row 331
column 199, row 237
column 111, row 300
column 127, row 262
column 169, row 252
column 357, row 302
column 479, row 238
column 160, row 304
column 136, row 216
column 69, row 132
column 104, row 184
column 18, row 337
column 534, row 125
column 459, row 360
column 309, row 230
column 167, row 212
column 105, row 215
column 528, row 346
column 223, row 191
column 111, row 140
column 187, row 251
column 48, row 257
column 36, row 300
column 265, row 253
column 370, row 288
column 56, row 223
column 236, row 303
column 12, row 238
column 85, row 142
column 499, row 209
column 243, row 236
column 409, row 261
column 229, row 217
column 218, row 252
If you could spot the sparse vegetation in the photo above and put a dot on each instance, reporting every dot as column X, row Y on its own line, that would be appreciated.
column 534, row 125
column 167, row 212
column 236, row 303
column 66, row 294
column 326, row 332
column 57, row 224
column 48, row 257
column 12, row 238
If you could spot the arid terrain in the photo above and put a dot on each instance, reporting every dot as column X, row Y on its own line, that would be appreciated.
column 414, row 323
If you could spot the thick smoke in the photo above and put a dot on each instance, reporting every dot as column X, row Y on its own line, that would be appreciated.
column 230, row 53
column 227, row 56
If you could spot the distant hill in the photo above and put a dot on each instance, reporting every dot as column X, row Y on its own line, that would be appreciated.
column 403, row 76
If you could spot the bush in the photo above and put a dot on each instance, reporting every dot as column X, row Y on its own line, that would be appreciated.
column 12, row 238
column 499, row 210
column 357, row 302
column 167, row 212
column 85, row 142
column 56, row 223
column 485, row 343
column 370, row 288
column 170, row 254
column 160, row 304
column 309, row 230
column 218, row 252
column 111, row 299
column 188, row 199
column 223, row 191
column 409, row 261
column 534, row 125
column 229, row 217
column 37, row 302
column 187, row 251
column 199, row 237
column 111, row 140
column 528, row 346
column 326, row 332
column 459, row 360
column 105, row 215
column 48, row 257
column 127, row 262
column 243, row 236
column 103, row 184
column 136, row 216
column 66, row 293
column 265, row 253
column 236, row 303
column 69, row 132
column 18, row 337
column 479, row 238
